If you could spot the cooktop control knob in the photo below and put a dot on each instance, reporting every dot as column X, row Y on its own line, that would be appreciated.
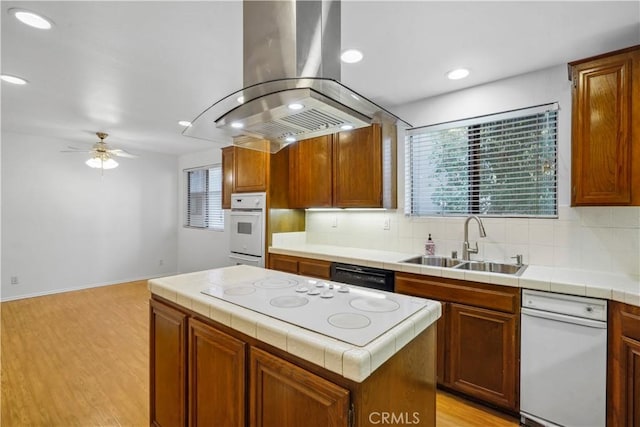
column 313, row 291
column 330, row 285
column 343, row 289
column 326, row 294
column 302, row 289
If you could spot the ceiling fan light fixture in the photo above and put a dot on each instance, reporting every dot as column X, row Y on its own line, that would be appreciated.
column 98, row 162
column 31, row 19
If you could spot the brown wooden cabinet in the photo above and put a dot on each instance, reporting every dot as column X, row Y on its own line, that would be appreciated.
column 606, row 129
column 243, row 171
column 357, row 168
column 310, row 173
column 216, row 374
column 623, row 376
column 350, row 169
column 168, row 361
column 478, row 344
column 227, row 176
column 298, row 265
column 283, row 394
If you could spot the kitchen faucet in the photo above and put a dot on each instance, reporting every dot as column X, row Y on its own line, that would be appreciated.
column 466, row 250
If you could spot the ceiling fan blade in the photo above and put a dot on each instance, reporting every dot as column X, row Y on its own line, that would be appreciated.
column 76, row 150
column 121, row 153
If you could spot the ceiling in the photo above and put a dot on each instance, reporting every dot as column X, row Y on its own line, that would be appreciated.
column 133, row 69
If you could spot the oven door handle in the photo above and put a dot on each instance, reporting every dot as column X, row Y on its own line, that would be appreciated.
column 244, row 257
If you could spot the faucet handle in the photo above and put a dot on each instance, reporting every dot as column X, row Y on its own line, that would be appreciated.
column 518, row 259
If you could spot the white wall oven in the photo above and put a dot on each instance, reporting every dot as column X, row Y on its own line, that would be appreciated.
column 248, row 229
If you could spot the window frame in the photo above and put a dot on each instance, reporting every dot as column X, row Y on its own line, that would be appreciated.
column 474, row 140
column 209, row 222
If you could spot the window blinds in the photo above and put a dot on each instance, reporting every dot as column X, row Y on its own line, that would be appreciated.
column 204, row 198
column 496, row 165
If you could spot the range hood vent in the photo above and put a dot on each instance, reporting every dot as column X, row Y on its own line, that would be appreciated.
column 291, row 59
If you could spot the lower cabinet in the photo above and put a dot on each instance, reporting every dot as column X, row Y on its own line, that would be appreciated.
column 624, row 365
column 168, row 362
column 478, row 344
column 283, row 394
column 223, row 381
column 298, row 265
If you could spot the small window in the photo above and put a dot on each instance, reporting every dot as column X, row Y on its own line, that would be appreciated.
column 204, row 198
column 497, row 165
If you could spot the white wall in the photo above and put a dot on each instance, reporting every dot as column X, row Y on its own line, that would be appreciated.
column 200, row 249
column 591, row 238
column 64, row 226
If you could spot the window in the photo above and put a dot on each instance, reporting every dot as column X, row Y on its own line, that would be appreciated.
column 204, row 198
column 497, row 165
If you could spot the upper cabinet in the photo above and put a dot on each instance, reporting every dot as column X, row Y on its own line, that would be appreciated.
column 349, row 169
column 250, row 170
column 310, row 173
column 606, row 129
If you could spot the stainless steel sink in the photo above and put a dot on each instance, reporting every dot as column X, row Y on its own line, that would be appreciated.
column 458, row 264
column 493, row 267
column 434, row 261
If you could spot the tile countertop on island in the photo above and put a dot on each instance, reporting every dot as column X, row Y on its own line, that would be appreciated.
column 618, row 287
column 348, row 360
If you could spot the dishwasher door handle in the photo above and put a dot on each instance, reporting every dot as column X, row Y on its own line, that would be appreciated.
column 564, row 318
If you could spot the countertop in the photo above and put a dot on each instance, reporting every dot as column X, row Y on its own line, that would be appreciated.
column 353, row 362
column 617, row 287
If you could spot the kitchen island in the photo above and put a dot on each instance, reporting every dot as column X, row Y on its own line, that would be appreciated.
column 243, row 346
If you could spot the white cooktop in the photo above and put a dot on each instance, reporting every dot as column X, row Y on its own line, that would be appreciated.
column 352, row 314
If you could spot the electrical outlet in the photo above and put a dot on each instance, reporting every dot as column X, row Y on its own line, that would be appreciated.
column 387, row 224
column 334, row 221
column 14, row 280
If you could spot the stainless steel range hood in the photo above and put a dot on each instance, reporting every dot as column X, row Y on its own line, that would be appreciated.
column 291, row 59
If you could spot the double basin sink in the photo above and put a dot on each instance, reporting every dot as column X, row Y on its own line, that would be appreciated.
column 458, row 264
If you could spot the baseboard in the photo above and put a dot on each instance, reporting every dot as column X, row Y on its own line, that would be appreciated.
column 79, row 288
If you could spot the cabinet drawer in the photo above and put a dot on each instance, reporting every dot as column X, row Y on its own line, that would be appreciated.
column 494, row 297
column 283, row 263
column 314, row 268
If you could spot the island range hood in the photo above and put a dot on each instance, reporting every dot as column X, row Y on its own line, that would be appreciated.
column 292, row 83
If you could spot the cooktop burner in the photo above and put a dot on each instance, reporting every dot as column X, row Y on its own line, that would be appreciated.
column 348, row 313
column 349, row 320
column 379, row 305
column 288, row 301
column 275, row 283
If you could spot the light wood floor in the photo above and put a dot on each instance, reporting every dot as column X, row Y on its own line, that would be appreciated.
column 81, row 359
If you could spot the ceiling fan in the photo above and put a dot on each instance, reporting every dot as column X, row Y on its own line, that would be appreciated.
column 101, row 153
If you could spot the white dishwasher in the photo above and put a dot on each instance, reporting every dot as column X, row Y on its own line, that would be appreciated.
column 563, row 360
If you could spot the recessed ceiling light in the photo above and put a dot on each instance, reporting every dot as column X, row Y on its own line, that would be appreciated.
column 13, row 79
column 237, row 125
column 351, row 56
column 31, row 19
column 296, row 106
column 184, row 123
column 457, row 74
column 346, row 127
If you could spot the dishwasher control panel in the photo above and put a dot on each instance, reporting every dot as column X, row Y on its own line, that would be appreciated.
column 587, row 308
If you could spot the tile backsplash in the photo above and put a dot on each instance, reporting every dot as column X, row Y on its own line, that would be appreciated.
column 590, row 238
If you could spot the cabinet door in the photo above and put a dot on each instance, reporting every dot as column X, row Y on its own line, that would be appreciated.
column 216, row 377
column 285, row 395
column 168, row 365
column 357, row 168
column 227, row 176
column 482, row 354
column 310, row 172
column 250, row 170
column 623, row 388
column 602, row 129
